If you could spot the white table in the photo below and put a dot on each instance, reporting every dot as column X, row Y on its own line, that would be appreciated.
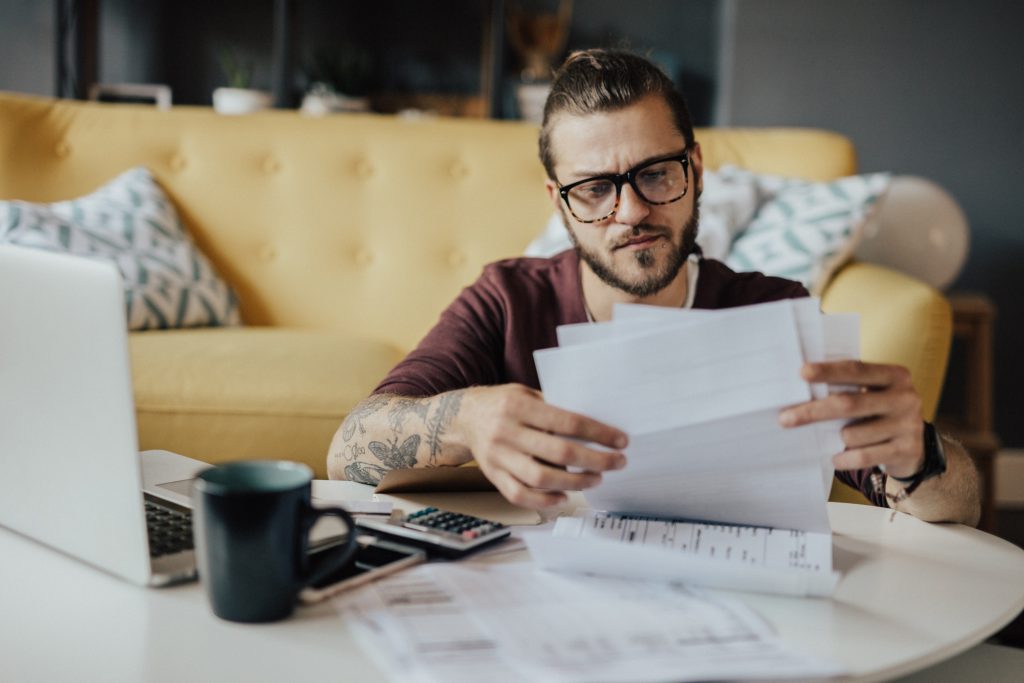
column 912, row 594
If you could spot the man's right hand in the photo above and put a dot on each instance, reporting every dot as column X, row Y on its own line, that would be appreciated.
column 523, row 445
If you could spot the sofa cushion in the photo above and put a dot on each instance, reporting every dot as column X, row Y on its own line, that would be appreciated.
column 807, row 230
column 130, row 221
column 221, row 394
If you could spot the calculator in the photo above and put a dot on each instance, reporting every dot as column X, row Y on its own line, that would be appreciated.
column 441, row 533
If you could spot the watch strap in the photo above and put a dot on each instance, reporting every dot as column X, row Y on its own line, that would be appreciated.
column 934, row 462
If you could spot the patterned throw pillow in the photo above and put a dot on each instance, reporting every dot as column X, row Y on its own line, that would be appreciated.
column 807, row 229
column 130, row 221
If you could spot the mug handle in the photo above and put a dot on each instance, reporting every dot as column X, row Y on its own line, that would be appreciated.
column 335, row 558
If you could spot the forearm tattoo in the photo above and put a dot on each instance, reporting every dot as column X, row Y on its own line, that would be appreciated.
column 365, row 473
column 432, row 416
column 447, row 409
column 361, row 412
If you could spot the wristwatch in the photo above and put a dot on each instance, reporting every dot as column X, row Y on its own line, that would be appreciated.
column 934, row 459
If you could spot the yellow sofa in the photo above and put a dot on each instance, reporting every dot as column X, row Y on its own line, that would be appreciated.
column 344, row 237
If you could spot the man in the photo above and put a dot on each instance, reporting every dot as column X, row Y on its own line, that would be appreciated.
column 624, row 171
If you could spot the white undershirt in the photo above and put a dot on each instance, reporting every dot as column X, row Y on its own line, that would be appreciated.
column 692, row 268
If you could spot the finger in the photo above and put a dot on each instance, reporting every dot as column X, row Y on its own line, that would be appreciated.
column 898, row 455
column 870, row 375
column 870, row 431
column 537, row 474
column 861, row 458
column 549, row 418
column 567, row 453
column 519, row 494
column 839, row 406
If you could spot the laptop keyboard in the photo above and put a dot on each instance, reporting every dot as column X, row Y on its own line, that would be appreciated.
column 170, row 531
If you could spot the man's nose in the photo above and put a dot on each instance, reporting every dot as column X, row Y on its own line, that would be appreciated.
column 632, row 210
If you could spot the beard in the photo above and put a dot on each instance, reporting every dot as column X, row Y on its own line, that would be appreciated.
column 655, row 277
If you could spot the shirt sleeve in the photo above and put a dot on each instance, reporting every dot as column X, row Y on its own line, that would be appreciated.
column 860, row 480
column 464, row 349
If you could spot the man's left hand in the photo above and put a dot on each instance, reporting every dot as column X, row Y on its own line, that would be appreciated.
column 885, row 415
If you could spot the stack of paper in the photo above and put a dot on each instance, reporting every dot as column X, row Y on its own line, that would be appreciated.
column 699, row 393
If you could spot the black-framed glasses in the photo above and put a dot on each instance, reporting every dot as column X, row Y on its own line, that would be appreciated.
column 660, row 181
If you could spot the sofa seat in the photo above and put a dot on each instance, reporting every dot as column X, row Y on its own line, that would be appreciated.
column 256, row 392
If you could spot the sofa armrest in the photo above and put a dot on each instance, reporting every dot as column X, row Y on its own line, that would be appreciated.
column 903, row 321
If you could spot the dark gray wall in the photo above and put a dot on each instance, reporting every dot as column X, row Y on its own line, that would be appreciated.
column 681, row 35
column 129, row 47
column 925, row 87
column 130, row 44
column 27, row 47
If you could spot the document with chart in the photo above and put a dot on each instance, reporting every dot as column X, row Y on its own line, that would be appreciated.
column 699, row 393
column 470, row 622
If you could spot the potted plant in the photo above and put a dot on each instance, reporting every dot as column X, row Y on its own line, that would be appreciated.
column 338, row 80
column 238, row 97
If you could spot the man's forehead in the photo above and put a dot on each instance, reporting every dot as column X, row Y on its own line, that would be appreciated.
column 601, row 141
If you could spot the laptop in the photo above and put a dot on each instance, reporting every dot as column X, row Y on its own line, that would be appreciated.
column 71, row 476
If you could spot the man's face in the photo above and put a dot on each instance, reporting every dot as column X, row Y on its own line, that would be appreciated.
column 641, row 248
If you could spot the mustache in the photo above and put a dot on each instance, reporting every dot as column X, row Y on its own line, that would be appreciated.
column 643, row 230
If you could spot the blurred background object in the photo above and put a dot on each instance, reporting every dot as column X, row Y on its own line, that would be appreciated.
column 238, row 97
column 919, row 229
column 337, row 80
column 538, row 31
column 132, row 93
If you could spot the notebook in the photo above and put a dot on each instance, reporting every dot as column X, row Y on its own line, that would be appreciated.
column 72, row 477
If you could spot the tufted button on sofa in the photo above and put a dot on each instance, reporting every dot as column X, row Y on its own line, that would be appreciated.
column 345, row 237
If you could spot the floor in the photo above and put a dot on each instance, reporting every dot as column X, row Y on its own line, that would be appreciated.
column 1010, row 526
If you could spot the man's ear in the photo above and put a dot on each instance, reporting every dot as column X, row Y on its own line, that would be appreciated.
column 552, row 187
column 697, row 162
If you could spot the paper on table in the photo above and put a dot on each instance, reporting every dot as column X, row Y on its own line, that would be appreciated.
column 605, row 557
column 451, row 623
column 749, row 545
column 355, row 498
column 721, row 556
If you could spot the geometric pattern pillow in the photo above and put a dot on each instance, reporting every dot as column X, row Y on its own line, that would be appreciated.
column 807, row 230
column 130, row 221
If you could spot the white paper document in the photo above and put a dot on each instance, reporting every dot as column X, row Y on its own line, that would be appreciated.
column 757, row 559
column 495, row 623
column 357, row 499
column 699, row 393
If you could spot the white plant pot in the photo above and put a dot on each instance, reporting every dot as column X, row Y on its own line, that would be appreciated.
column 234, row 101
column 321, row 104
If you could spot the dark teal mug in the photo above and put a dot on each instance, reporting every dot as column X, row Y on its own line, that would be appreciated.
column 251, row 527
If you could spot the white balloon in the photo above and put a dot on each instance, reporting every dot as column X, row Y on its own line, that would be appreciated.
column 919, row 229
